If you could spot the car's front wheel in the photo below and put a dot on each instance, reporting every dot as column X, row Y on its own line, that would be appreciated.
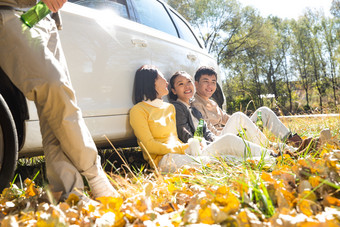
column 8, row 145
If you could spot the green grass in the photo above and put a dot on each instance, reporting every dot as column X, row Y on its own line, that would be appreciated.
column 234, row 189
column 312, row 126
column 306, row 127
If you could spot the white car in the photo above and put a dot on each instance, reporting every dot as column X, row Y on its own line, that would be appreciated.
column 105, row 42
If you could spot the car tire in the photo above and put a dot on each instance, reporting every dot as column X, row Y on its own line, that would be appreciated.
column 8, row 145
column 218, row 96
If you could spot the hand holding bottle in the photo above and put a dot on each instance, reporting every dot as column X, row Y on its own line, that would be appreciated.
column 198, row 134
column 41, row 10
column 54, row 5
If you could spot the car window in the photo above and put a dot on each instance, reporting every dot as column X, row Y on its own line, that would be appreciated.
column 118, row 6
column 184, row 30
column 153, row 14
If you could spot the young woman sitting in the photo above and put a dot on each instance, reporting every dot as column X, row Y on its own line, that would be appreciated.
column 182, row 90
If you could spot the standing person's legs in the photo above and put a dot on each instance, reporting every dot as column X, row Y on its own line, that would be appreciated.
column 239, row 122
column 33, row 60
column 271, row 122
column 61, row 173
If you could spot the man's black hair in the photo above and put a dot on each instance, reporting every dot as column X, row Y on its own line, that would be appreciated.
column 205, row 70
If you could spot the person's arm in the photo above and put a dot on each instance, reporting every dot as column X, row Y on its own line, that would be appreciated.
column 208, row 135
column 184, row 130
column 139, row 123
column 225, row 116
column 54, row 5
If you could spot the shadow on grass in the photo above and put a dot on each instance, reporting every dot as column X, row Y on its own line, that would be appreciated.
column 111, row 162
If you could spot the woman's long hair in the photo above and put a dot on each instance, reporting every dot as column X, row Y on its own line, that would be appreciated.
column 145, row 78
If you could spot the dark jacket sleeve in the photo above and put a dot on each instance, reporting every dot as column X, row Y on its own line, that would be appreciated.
column 184, row 130
column 207, row 134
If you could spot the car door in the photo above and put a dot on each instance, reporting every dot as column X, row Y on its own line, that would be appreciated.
column 172, row 43
column 103, row 52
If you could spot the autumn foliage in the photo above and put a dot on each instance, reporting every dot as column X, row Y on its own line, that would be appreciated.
column 287, row 192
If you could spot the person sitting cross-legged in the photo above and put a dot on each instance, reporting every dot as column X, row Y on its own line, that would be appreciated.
column 181, row 94
column 219, row 122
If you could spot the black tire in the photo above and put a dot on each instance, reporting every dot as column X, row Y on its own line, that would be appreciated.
column 218, row 96
column 8, row 145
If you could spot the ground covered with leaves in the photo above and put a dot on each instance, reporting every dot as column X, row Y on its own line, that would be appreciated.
column 304, row 191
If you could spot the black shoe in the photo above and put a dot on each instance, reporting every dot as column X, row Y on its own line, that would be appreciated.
column 275, row 155
column 294, row 139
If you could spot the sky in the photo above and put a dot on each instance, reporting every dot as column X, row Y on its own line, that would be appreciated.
column 290, row 9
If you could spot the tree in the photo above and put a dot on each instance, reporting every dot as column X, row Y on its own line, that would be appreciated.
column 222, row 24
column 285, row 41
column 301, row 54
column 273, row 55
column 331, row 44
column 268, row 55
column 335, row 8
column 317, row 62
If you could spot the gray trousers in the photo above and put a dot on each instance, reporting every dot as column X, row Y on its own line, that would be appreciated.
column 34, row 61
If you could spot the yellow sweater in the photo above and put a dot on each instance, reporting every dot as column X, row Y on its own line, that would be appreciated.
column 155, row 127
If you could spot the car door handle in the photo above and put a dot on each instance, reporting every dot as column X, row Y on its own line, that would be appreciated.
column 192, row 57
column 139, row 42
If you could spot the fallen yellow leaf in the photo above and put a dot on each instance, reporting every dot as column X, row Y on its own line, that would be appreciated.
column 205, row 216
column 72, row 199
column 330, row 200
column 305, row 208
column 314, row 181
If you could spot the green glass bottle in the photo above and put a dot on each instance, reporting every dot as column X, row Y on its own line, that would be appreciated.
column 199, row 131
column 259, row 121
column 35, row 14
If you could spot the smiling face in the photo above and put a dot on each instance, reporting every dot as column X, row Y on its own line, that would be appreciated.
column 184, row 88
column 206, row 86
column 161, row 86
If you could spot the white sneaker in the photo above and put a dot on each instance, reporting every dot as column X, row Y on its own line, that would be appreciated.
column 101, row 186
column 85, row 201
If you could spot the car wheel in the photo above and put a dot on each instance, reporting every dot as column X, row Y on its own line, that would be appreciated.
column 8, row 145
column 218, row 96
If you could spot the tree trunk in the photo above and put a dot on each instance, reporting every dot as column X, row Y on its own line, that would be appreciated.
column 320, row 97
column 307, row 100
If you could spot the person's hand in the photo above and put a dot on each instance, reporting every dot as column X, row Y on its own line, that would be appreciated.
column 203, row 144
column 54, row 5
column 194, row 148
